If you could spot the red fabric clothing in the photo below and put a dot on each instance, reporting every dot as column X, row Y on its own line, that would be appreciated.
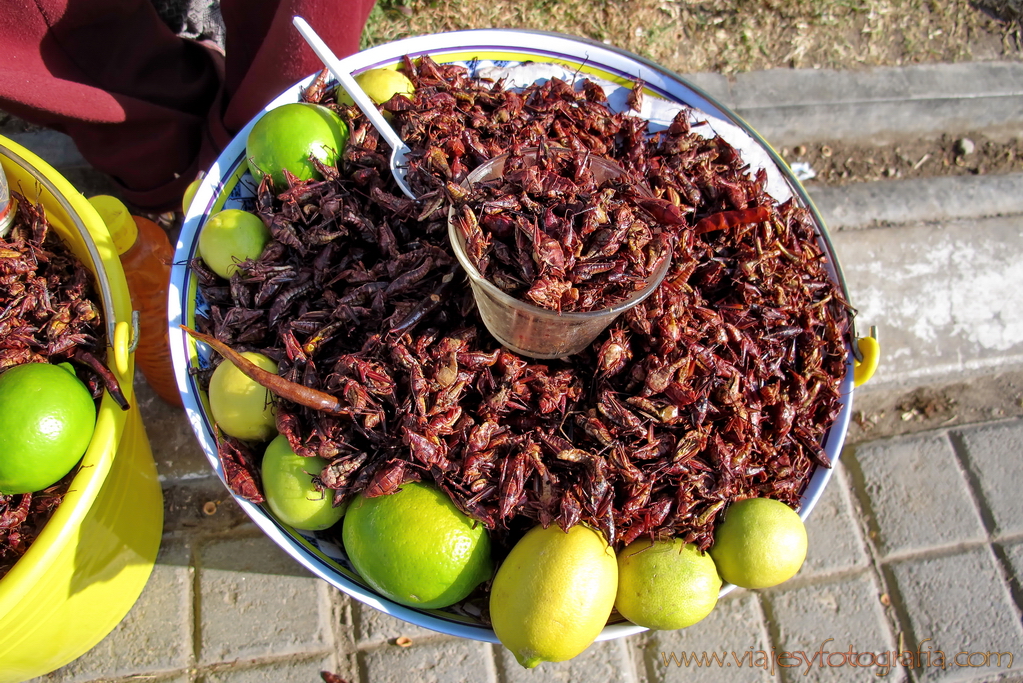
column 144, row 106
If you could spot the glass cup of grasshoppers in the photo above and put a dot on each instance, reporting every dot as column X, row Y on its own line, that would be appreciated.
column 524, row 327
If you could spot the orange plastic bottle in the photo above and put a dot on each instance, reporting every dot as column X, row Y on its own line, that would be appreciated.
column 146, row 254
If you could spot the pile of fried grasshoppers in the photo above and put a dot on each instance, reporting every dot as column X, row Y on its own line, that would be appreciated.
column 720, row 386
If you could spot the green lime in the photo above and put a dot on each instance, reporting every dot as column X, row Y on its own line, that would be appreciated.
column 47, row 417
column 286, row 136
column 242, row 407
column 415, row 547
column 289, row 489
column 760, row 543
column 230, row 237
column 666, row 585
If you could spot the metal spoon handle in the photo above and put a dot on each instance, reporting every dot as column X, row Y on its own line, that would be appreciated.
column 361, row 99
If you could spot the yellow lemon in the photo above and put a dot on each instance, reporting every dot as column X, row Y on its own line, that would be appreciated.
column 760, row 543
column 230, row 237
column 666, row 584
column 553, row 594
column 380, row 85
column 415, row 547
column 241, row 407
column 285, row 137
column 289, row 489
column 189, row 193
column 47, row 417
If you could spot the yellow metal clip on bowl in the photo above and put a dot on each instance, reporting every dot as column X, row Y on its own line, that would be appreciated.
column 866, row 362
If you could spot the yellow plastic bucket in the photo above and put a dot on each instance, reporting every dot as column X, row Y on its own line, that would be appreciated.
column 89, row 564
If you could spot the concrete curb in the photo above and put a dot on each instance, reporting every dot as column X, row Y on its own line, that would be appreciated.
column 863, row 205
column 790, row 106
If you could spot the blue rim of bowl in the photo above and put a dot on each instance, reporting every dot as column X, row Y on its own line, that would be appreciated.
column 498, row 46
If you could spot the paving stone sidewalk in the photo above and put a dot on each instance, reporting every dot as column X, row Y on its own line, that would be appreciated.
column 915, row 567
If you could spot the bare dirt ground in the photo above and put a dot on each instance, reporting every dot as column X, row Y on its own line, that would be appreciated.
column 954, row 153
column 882, row 413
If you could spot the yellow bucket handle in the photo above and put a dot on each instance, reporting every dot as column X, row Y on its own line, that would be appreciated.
column 126, row 340
column 870, row 354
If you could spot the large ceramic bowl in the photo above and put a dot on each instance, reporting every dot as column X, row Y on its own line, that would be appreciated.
column 524, row 56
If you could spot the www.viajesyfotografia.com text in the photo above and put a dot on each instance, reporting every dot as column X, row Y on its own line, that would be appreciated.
column 924, row 657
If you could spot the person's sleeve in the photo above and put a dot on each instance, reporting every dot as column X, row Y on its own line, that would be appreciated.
column 144, row 106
